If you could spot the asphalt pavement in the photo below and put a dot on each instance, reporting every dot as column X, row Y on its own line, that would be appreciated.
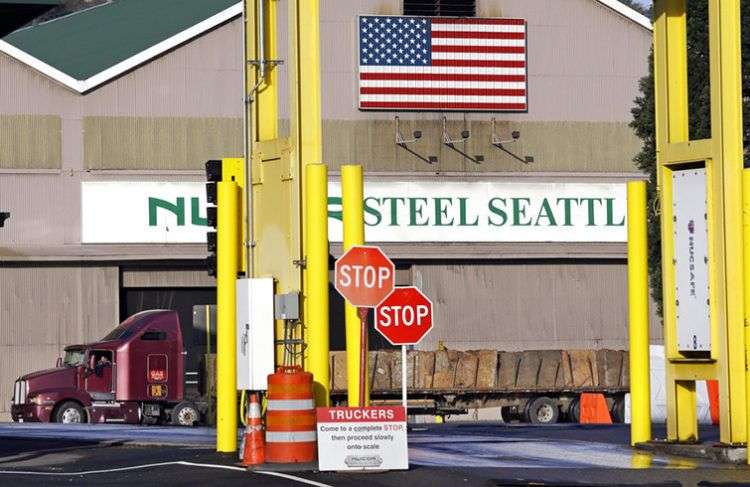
column 483, row 454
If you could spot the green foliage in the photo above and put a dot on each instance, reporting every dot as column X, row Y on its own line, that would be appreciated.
column 699, row 106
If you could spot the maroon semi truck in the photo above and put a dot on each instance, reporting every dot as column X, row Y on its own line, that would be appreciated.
column 135, row 374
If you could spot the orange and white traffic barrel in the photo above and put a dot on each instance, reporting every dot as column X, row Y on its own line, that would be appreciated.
column 290, row 417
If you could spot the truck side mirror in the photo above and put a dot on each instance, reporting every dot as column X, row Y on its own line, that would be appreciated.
column 59, row 362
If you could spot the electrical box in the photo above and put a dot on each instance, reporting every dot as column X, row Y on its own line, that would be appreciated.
column 287, row 306
column 691, row 260
column 255, row 333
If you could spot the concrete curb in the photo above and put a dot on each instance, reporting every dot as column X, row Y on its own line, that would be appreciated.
column 707, row 451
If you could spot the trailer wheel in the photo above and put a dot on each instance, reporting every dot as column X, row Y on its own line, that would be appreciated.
column 618, row 410
column 507, row 414
column 543, row 410
column 70, row 412
column 185, row 414
column 574, row 411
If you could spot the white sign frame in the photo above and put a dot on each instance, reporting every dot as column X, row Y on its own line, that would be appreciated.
column 364, row 438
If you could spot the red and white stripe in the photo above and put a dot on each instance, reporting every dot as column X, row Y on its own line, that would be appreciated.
column 477, row 64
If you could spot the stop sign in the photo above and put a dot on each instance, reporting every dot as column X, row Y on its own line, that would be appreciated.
column 365, row 276
column 405, row 316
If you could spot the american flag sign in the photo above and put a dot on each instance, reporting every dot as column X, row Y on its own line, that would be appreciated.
column 442, row 63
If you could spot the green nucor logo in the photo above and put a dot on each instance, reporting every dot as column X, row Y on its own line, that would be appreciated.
column 177, row 208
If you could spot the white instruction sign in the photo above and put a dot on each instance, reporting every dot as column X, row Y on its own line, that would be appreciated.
column 368, row 438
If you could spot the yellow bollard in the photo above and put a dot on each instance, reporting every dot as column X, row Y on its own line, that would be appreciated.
column 746, row 289
column 228, row 252
column 316, row 282
column 640, row 388
column 352, row 197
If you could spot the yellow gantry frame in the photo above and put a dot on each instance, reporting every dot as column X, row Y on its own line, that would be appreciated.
column 722, row 157
column 289, row 241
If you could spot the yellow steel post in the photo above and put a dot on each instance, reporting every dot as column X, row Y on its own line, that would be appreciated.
column 316, row 280
column 640, row 387
column 228, row 255
column 309, row 125
column 746, row 274
column 726, row 131
column 263, row 112
column 267, row 106
column 670, row 61
column 352, row 196
column 307, row 136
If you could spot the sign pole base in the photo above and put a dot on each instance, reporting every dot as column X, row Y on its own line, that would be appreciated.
column 363, row 358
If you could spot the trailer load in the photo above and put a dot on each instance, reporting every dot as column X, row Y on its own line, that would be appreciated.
column 537, row 386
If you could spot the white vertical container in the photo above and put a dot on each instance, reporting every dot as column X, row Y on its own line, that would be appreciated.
column 255, row 333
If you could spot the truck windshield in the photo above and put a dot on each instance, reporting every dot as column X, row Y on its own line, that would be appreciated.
column 74, row 358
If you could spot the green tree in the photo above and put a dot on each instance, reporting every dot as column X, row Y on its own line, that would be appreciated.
column 638, row 7
column 699, row 107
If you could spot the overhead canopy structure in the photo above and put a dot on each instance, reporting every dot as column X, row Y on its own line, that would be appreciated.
column 17, row 13
column 93, row 46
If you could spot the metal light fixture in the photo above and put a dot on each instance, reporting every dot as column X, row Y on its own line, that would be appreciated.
column 4, row 215
column 499, row 143
column 402, row 142
column 450, row 143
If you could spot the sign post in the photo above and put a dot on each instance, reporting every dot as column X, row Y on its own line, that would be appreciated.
column 403, row 377
column 364, row 276
column 404, row 318
column 362, row 354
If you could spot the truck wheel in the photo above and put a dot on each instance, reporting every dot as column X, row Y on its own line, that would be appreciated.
column 70, row 412
column 185, row 414
column 574, row 411
column 543, row 410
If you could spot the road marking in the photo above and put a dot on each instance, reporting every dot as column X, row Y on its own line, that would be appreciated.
column 262, row 472
column 164, row 464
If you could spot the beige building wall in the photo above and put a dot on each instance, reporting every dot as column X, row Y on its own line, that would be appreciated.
column 527, row 305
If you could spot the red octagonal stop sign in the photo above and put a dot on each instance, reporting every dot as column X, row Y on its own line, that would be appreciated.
column 405, row 316
column 365, row 276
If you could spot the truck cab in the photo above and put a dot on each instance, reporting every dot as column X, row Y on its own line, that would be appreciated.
column 135, row 374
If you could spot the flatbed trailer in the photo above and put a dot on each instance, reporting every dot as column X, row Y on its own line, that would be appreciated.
column 536, row 386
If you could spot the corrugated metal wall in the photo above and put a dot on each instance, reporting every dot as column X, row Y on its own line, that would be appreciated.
column 163, row 143
column 555, row 146
column 526, row 305
column 172, row 278
column 45, row 308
